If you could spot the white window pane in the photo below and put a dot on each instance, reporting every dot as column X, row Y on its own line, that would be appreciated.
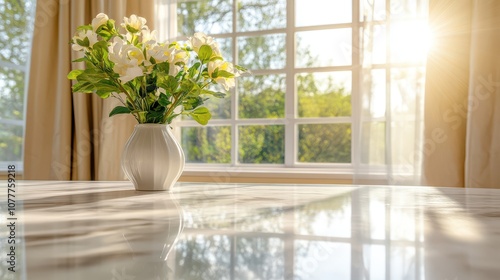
column 11, row 94
column 226, row 48
column 319, row 12
column 11, row 142
column 207, row 144
column 324, row 94
column 220, row 108
column 327, row 143
column 262, row 96
column 373, row 143
column 15, row 30
column 372, row 10
column 407, row 85
column 262, row 144
column 262, row 52
column 374, row 93
column 318, row 48
column 373, row 40
column 261, row 15
column 209, row 16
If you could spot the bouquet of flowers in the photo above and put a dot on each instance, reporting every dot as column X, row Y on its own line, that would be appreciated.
column 154, row 81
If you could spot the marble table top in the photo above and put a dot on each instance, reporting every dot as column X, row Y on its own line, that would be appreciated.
column 107, row 230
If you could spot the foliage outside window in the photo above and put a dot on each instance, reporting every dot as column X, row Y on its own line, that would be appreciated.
column 16, row 22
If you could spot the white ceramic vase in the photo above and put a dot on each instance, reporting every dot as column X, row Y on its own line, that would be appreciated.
column 152, row 158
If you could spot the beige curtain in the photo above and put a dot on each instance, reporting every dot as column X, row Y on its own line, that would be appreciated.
column 69, row 136
column 462, row 106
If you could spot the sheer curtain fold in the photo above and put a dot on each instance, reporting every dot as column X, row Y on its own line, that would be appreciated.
column 69, row 136
column 391, row 92
column 462, row 123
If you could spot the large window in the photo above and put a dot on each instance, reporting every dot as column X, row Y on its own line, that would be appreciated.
column 311, row 60
column 16, row 22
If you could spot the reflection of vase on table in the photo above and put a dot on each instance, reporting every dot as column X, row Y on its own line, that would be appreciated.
column 152, row 240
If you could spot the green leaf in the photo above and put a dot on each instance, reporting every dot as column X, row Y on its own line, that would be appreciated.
column 105, row 34
column 119, row 110
column 86, row 42
column 172, row 117
column 216, row 94
column 201, row 115
column 107, row 85
column 111, row 24
column 162, row 67
column 142, row 116
column 154, row 117
column 172, row 83
column 83, row 87
column 190, row 103
column 243, row 69
column 84, row 27
column 104, row 88
column 131, row 29
column 225, row 74
column 205, row 53
column 163, row 100
column 74, row 74
column 91, row 75
column 187, row 86
column 216, row 58
column 81, row 59
column 193, row 69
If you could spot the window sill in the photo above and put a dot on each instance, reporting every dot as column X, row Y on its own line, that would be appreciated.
column 226, row 174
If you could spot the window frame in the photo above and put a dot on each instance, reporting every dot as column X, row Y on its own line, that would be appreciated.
column 292, row 168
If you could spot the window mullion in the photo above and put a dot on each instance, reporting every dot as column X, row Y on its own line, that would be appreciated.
column 388, row 106
column 290, row 94
column 356, row 93
column 234, row 100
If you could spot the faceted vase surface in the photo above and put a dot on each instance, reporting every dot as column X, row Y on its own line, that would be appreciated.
column 152, row 158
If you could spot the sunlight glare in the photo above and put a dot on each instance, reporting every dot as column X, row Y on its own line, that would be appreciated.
column 410, row 41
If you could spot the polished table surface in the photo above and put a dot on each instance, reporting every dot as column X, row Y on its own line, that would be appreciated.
column 107, row 230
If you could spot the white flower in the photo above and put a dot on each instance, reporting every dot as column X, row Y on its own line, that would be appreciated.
column 134, row 52
column 199, row 39
column 159, row 52
column 172, row 54
column 178, row 55
column 81, row 36
column 99, row 20
column 149, row 37
column 134, row 24
column 220, row 65
column 127, row 59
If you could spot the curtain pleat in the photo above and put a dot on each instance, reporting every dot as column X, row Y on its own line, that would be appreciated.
column 446, row 90
column 483, row 130
column 462, row 107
